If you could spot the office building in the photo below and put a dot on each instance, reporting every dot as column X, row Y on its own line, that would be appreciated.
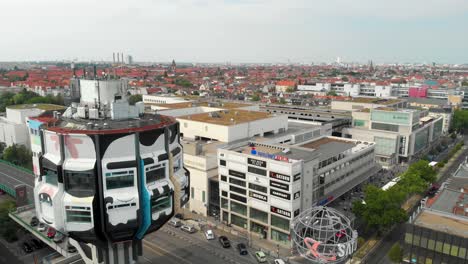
column 400, row 135
column 264, row 186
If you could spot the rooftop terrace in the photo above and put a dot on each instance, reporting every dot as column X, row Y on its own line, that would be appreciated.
column 45, row 107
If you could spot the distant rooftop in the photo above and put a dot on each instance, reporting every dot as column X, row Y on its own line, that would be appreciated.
column 375, row 100
column 204, row 104
column 45, row 107
column 227, row 117
column 329, row 146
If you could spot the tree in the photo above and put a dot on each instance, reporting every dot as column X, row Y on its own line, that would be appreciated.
column 381, row 209
column 255, row 97
column 18, row 155
column 332, row 93
column 464, row 83
column 290, row 90
column 133, row 99
column 282, row 100
column 8, row 227
column 345, row 79
column 423, row 170
column 396, row 253
column 460, row 120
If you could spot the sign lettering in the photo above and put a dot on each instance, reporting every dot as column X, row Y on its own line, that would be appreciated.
column 297, row 177
column 280, row 177
column 258, row 196
column 272, row 156
column 256, row 162
column 279, row 211
column 297, row 195
column 279, row 185
column 279, row 194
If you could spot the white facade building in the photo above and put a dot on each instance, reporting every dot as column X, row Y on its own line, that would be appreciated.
column 264, row 186
column 163, row 99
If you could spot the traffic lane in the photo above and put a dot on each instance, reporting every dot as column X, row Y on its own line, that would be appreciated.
column 214, row 246
column 152, row 253
column 6, row 256
column 20, row 175
column 178, row 249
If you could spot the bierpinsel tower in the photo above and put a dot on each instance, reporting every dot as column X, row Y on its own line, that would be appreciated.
column 106, row 173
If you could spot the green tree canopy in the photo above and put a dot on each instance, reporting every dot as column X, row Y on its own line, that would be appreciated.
column 18, row 155
column 396, row 253
column 332, row 93
column 133, row 99
column 8, row 227
column 460, row 120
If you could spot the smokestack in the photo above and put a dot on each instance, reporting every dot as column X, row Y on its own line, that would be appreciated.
column 113, row 57
column 95, row 71
column 122, row 59
column 118, row 58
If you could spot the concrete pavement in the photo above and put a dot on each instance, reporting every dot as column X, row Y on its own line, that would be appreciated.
column 11, row 176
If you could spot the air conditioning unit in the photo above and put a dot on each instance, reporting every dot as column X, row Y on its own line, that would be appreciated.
column 93, row 113
column 81, row 111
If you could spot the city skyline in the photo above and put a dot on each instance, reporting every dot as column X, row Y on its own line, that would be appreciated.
column 237, row 31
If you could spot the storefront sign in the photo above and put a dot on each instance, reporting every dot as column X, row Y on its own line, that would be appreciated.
column 279, row 194
column 258, row 196
column 297, row 177
column 279, row 185
column 296, row 195
column 272, row 156
column 279, row 211
column 256, row 162
column 280, row 177
column 237, row 174
column 296, row 212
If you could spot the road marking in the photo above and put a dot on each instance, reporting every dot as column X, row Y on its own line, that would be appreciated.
column 154, row 247
column 16, row 179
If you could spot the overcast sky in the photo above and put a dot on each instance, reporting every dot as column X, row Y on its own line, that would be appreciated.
column 236, row 30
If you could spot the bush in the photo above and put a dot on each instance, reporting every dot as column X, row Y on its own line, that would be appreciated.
column 360, row 241
column 396, row 253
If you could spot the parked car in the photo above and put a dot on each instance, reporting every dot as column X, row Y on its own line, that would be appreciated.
column 224, row 241
column 71, row 249
column 209, row 234
column 34, row 221
column 58, row 238
column 175, row 222
column 51, row 232
column 27, row 248
column 279, row 261
column 41, row 227
column 242, row 249
column 260, row 256
column 188, row 229
column 179, row 216
column 37, row 244
column 2, row 192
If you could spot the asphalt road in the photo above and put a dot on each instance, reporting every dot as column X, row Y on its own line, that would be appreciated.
column 172, row 246
column 6, row 256
column 379, row 255
column 11, row 177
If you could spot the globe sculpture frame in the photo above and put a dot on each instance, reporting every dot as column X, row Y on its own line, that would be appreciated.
column 323, row 235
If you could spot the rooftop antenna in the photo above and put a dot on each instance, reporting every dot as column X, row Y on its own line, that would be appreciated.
column 95, row 71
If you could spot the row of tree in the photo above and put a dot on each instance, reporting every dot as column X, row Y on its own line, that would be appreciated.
column 27, row 97
column 460, row 121
column 380, row 209
column 17, row 154
column 8, row 227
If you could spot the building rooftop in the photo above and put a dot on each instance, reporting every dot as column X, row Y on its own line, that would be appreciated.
column 227, row 117
column 329, row 146
column 45, row 107
column 428, row 101
column 109, row 126
column 442, row 223
column 375, row 100
column 199, row 104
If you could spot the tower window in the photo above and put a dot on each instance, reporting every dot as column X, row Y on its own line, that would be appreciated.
column 121, row 179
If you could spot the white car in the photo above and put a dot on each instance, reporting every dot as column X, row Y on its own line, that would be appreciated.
column 209, row 234
column 41, row 227
column 279, row 261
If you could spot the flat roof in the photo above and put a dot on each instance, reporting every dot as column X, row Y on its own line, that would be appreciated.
column 446, row 224
column 374, row 100
column 46, row 107
column 329, row 146
column 182, row 105
column 227, row 117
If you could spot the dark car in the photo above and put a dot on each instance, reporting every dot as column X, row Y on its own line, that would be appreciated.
column 224, row 241
column 71, row 249
column 179, row 216
column 27, row 248
column 34, row 221
column 242, row 249
column 37, row 244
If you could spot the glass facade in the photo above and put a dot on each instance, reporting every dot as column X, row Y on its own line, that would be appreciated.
column 279, row 222
column 438, row 128
column 280, row 237
column 385, row 146
column 258, row 215
column 421, row 140
column 391, row 117
column 224, row 203
column 238, row 221
column 121, row 179
column 80, row 184
column 359, row 123
column 238, row 208
column 385, row 127
column 78, row 216
column 50, row 176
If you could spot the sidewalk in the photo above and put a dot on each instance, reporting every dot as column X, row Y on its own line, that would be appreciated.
column 451, row 161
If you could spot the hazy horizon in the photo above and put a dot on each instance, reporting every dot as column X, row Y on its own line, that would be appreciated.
column 236, row 31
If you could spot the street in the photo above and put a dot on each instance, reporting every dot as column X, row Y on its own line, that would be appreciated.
column 379, row 254
column 11, row 176
column 173, row 246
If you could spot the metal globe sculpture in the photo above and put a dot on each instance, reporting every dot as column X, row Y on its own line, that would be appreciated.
column 323, row 235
